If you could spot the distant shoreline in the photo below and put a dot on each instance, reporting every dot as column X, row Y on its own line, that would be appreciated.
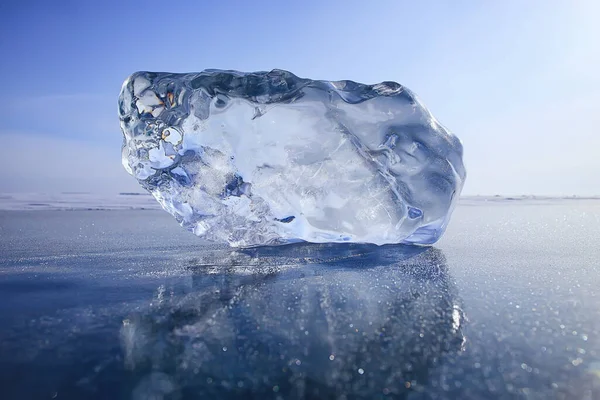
column 70, row 201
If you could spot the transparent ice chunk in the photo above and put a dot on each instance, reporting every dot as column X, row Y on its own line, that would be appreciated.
column 269, row 158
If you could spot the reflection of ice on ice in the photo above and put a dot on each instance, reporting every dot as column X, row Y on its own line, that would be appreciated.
column 309, row 320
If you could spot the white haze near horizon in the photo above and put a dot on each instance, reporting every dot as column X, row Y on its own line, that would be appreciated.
column 48, row 165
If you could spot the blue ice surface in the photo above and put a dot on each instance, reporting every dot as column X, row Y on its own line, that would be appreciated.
column 125, row 304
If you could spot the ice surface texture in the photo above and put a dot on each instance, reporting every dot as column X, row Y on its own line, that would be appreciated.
column 270, row 158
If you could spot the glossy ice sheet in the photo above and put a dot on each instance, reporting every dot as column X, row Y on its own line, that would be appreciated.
column 125, row 304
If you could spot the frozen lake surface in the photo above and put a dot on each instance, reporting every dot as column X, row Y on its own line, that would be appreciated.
column 125, row 304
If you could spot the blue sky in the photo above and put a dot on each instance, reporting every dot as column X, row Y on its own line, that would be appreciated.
column 517, row 81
